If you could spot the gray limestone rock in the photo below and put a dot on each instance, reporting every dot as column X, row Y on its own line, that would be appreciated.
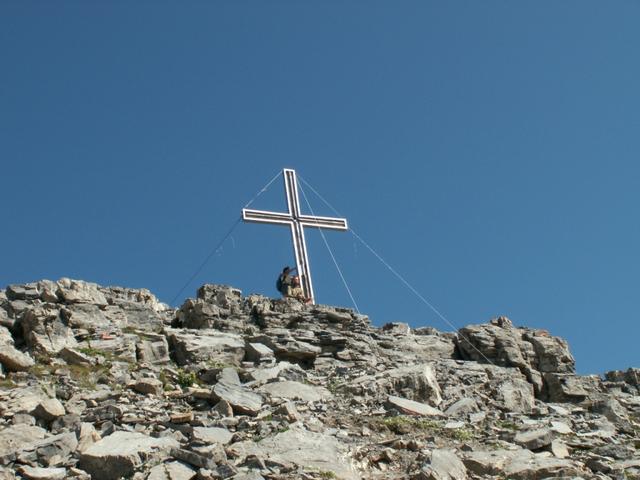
column 21, row 400
column 520, row 465
column 286, row 346
column 206, row 346
column 303, row 448
column 295, row 391
column 87, row 436
column 444, row 465
column 153, row 349
column 534, row 439
column 241, row 399
column 14, row 360
column 286, row 370
column 208, row 435
column 561, row 387
column 46, row 331
column 120, row 453
column 462, row 407
column 525, row 466
column 77, row 291
column 534, row 352
column 410, row 407
column 149, row 386
column 75, row 357
column 257, row 352
column 172, row 471
column 38, row 473
column 16, row 437
column 515, row 395
column 49, row 409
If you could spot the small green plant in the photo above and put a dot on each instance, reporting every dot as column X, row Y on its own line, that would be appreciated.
column 186, row 379
column 327, row 475
column 506, row 425
column 402, row 424
column 461, row 434
column 7, row 383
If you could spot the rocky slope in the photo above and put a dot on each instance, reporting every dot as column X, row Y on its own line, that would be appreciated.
column 107, row 383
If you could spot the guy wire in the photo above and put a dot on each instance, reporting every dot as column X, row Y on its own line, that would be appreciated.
column 219, row 245
column 400, row 277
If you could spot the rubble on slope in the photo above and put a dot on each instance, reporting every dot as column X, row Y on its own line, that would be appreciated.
column 108, row 382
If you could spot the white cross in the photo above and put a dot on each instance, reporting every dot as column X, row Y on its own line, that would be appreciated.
column 296, row 222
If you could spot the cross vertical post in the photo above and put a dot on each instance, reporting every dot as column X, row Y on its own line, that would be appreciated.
column 296, row 221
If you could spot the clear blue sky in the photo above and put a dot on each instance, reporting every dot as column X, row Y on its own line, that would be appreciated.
column 487, row 150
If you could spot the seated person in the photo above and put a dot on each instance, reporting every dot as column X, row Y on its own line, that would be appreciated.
column 295, row 291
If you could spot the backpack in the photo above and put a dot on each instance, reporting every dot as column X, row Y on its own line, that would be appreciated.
column 279, row 284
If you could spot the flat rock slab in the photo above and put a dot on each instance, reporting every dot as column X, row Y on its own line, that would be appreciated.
column 211, row 435
column 120, row 453
column 14, row 360
column 20, row 400
column 16, row 437
column 206, row 346
column 241, row 399
column 36, row 473
column 49, row 409
column 445, row 464
column 291, row 390
column 172, row 471
column 410, row 407
column 303, row 448
column 534, row 439
column 519, row 465
column 149, row 386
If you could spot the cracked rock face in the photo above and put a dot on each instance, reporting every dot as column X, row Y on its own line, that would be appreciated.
column 108, row 383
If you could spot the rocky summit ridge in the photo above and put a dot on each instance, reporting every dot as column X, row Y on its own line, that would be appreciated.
column 107, row 383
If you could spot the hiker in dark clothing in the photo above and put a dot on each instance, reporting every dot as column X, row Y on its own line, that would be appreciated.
column 285, row 281
column 289, row 285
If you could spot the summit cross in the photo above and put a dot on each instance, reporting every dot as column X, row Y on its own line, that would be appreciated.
column 296, row 222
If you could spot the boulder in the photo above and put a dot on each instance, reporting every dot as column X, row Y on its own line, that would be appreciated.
column 208, row 435
column 205, row 346
column 21, row 400
column 16, row 437
column 565, row 387
column 286, row 346
column 534, row 352
column 444, row 465
column 153, row 349
column 49, row 409
column 75, row 357
column 38, row 473
column 259, row 353
column 46, row 331
column 12, row 359
column 172, row 471
column 149, row 386
column 534, row 439
column 119, row 454
column 77, row 291
column 415, row 382
column 290, row 390
column 302, row 448
column 241, row 399
column 410, row 407
column 519, row 465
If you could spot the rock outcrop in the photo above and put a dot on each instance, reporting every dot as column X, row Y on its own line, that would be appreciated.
column 109, row 383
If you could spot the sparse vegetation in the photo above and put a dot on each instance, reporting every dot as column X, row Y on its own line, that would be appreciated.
column 327, row 475
column 186, row 379
column 7, row 383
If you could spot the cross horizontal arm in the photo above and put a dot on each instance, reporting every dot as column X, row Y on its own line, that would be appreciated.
column 261, row 216
column 324, row 222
